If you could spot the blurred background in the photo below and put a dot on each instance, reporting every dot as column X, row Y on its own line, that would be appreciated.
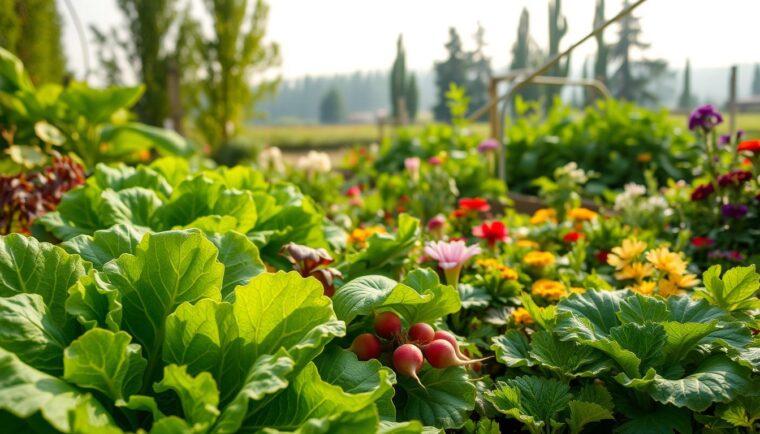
column 298, row 73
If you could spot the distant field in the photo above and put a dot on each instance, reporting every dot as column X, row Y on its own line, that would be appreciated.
column 336, row 136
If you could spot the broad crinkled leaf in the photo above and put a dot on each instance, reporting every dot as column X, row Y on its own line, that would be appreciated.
column 240, row 258
column 646, row 341
column 685, row 309
column 134, row 206
column 445, row 297
column 445, row 402
column 28, row 266
column 663, row 420
column 28, row 331
column 105, row 245
column 120, row 176
column 76, row 214
column 583, row 413
column 198, row 395
column 512, row 349
column 534, row 401
column 385, row 252
column 598, row 307
column 683, row 337
column 27, row 392
column 732, row 292
column 566, row 358
column 640, row 308
column 105, row 361
column 167, row 269
column 94, row 302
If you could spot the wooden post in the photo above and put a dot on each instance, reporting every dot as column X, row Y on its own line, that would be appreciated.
column 732, row 102
column 493, row 111
column 175, row 103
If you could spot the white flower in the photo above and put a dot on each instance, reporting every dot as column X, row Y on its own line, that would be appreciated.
column 629, row 195
column 271, row 159
column 572, row 171
column 315, row 162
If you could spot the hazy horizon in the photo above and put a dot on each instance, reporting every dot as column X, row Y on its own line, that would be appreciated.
column 343, row 36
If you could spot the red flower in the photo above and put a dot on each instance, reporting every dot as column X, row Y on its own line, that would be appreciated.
column 474, row 204
column 572, row 237
column 749, row 146
column 491, row 232
column 702, row 191
column 601, row 256
column 353, row 191
column 700, row 242
column 458, row 213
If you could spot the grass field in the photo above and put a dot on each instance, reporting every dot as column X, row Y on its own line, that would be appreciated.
column 336, row 136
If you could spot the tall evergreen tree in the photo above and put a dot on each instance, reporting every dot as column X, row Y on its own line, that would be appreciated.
column 31, row 29
column 479, row 71
column 412, row 97
column 399, row 82
column 451, row 70
column 631, row 81
column 525, row 54
column 602, row 50
column 332, row 107
column 230, row 58
column 686, row 100
column 557, row 29
column 756, row 81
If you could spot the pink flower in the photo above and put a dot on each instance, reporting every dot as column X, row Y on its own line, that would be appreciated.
column 412, row 164
column 435, row 160
column 450, row 254
column 436, row 223
column 488, row 145
column 354, row 191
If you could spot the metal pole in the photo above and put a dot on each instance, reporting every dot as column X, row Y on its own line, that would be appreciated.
column 82, row 38
column 732, row 102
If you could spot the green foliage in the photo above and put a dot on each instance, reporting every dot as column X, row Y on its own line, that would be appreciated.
column 617, row 140
column 602, row 49
column 451, row 71
column 404, row 91
column 687, row 100
column 557, row 30
column 332, row 108
column 235, row 51
column 525, row 55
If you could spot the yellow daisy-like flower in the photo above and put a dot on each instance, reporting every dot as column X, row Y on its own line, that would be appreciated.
column 626, row 253
column 668, row 288
column 488, row 263
column 528, row 244
column 538, row 259
column 359, row 236
column 508, row 273
column 667, row 261
column 634, row 271
column 685, row 280
column 550, row 289
column 544, row 215
column 645, row 288
column 521, row 316
column 582, row 214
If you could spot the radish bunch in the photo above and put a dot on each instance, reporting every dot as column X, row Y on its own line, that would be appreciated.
column 410, row 347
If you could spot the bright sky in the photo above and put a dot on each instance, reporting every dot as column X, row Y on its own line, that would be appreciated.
column 322, row 37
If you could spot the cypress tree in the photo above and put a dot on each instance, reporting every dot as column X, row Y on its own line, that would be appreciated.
column 756, row 81
column 398, row 81
column 525, row 54
column 686, row 100
column 479, row 71
column 412, row 97
column 10, row 24
column 600, row 65
column 451, row 70
column 31, row 29
column 332, row 107
column 557, row 29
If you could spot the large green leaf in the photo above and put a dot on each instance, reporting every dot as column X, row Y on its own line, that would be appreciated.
column 534, row 401
column 105, row 245
column 646, row 341
column 663, row 420
column 583, row 413
column 640, row 308
column 204, row 337
column 735, row 291
column 95, row 303
column 134, row 205
column 126, row 138
column 27, row 392
column 716, row 379
column 167, row 269
column 120, row 176
column 512, row 349
column 445, row 401
column 566, row 358
column 28, row 331
column 599, row 308
column 685, row 309
column 240, row 258
column 28, row 266
column 198, row 395
column 683, row 337
column 445, row 297
column 311, row 397
column 105, row 361
column 384, row 252
column 76, row 214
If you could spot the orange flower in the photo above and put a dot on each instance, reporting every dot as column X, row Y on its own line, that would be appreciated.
column 582, row 214
column 752, row 146
column 544, row 215
column 359, row 236
column 538, row 259
column 550, row 289
column 645, row 288
column 528, row 244
column 522, row 316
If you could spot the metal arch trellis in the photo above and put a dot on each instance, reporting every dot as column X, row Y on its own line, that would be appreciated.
column 535, row 77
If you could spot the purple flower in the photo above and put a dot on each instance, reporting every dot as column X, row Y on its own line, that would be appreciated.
column 734, row 211
column 705, row 117
column 488, row 145
column 724, row 139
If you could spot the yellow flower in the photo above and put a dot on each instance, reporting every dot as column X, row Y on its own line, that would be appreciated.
column 582, row 214
column 488, row 263
column 644, row 157
column 550, row 289
column 508, row 273
column 577, row 290
column 646, row 287
column 528, row 244
column 521, row 316
column 538, row 259
column 684, row 281
column 667, row 261
column 359, row 236
column 627, row 253
column 668, row 288
column 634, row 271
column 544, row 215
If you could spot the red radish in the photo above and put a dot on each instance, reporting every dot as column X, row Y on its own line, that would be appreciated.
column 387, row 325
column 407, row 360
column 421, row 333
column 366, row 346
column 448, row 337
